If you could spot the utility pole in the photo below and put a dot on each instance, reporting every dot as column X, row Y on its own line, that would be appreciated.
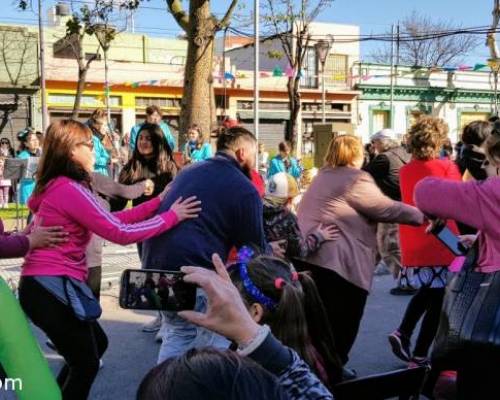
column 42, row 67
column 494, row 61
column 392, row 77
column 398, row 39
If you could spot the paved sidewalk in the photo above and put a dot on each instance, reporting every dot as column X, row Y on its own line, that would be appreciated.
column 115, row 259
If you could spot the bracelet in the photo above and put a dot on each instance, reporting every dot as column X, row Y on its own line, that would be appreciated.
column 244, row 349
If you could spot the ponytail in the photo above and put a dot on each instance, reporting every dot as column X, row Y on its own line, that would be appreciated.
column 289, row 323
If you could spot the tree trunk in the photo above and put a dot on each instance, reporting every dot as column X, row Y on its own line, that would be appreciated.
column 196, row 107
column 80, row 87
column 295, row 104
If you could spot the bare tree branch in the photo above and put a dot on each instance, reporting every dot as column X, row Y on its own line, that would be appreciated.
column 224, row 22
column 432, row 52
column 181, row 16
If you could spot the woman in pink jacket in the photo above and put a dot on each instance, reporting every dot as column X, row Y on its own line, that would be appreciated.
column 64, row 197
column 477, row 204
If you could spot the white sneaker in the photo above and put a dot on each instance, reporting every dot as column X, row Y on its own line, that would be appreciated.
column 101, row 364
column 154, row 325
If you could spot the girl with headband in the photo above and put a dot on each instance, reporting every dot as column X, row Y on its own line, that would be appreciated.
column 277, row 295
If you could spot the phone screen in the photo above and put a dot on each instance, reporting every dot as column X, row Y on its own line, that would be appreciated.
column 451, row 241
column 156, row 290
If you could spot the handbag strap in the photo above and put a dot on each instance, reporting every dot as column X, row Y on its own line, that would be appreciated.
column 471, row 257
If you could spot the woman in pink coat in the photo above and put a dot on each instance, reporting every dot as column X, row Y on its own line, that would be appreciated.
column 63, row 197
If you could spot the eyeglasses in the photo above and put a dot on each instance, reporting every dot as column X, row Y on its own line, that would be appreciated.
column 89, row 144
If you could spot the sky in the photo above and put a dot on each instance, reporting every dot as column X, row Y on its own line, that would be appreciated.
column 373, row 16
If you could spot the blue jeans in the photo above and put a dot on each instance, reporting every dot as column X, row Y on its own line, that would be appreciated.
column 179, row 336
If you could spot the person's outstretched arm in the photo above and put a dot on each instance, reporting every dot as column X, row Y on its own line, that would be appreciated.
column 81, row 205
column 460, row 201
column 366, row 198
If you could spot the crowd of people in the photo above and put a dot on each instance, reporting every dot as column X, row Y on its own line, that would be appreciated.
column 283, row 258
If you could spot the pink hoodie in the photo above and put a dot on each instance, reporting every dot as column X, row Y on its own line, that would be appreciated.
column 474, row 203
column 69, row 204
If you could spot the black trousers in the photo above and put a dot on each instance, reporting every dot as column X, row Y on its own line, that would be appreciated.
column 344, row 303
column 81, row 343
column 426, row 302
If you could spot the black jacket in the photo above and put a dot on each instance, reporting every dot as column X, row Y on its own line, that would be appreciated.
column 385, row 170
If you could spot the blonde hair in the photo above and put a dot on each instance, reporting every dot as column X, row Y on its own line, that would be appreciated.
column 343, row 151
column 426, row 137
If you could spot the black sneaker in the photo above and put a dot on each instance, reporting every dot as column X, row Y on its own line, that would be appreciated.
column 403, row 291
column 400, row 345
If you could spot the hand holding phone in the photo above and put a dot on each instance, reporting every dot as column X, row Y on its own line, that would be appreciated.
column 449, row 239
column 226, row 313
column 156, row 290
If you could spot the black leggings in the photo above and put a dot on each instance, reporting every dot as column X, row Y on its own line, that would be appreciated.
column 426, row 301
column 344, row 304
column 81, row 343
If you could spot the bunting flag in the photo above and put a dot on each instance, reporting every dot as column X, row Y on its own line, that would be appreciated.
column 289, row 72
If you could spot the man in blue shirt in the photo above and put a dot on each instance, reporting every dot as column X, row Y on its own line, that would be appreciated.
column 153, row 116
column 231, row 216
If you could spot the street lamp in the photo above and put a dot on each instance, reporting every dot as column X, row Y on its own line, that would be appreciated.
column 494, row 64
column 105, row 34
column 322, row 50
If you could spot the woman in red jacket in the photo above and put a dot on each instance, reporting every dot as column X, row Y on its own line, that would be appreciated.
column 428, row 258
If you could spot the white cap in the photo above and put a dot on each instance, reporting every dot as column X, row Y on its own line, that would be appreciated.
column 282, row 185
column 384, row 134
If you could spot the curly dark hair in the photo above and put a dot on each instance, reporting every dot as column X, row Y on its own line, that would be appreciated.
column 426, row 137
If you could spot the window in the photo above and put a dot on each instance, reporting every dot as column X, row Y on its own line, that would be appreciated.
column 380, row 120
column 263, row 105
column 309, row 71
column 336, row 70
column 86, row 101
column 162, row 102
column 468, row 117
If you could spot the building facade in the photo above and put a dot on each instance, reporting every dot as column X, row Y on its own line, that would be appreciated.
column 458, row 97
column 341, row 105
column 19, row 80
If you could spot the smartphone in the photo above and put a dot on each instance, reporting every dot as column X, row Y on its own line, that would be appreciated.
column 147, row 289
column 450, row 240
